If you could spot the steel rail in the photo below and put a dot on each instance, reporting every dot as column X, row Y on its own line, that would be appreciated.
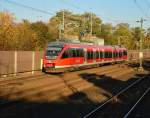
column 110, row 99
column 135, row 105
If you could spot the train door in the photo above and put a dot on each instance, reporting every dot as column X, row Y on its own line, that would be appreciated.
column 120, row 54
column 90, row 56
column 124, row 54
column 97, row 55
column 115, row 54
column 100, row 55
column 73, row 56
column 105, row 55
column 64, row 59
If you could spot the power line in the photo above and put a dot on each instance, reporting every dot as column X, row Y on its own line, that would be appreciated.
column 140, row 8
column 148, row 5
column 113, row 20
column 28, row 7
column 82, row 9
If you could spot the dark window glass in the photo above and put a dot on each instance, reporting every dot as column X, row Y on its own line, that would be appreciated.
column 106, row 54
column 52, row 52
column 124, row 52
column 90, row 55
column 65, row 54
column 120, row 54
column 97, row 54
column 117, row 54
column 74, row 53
column 110, row 54
column 80, row 52
column 114, row 54
column 101, row 54
column 77, row 52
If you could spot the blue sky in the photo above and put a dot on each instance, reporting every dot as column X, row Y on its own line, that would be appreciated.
column 110, row 11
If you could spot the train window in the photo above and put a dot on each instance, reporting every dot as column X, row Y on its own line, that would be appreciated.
column 72, row 52
column 65, row 54
column 52, row 52
column 77, row 52
column 80, row 52
column 114, row 54
column 101, row 54
column 124, row 52
column 106, row 54
column 90, row 55
column 117, row 54
column 110, row 54
column 120, row 54
column 97, row 54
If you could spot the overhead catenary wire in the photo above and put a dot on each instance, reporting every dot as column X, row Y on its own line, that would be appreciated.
column 140, row 8
column 148, row 5
column 29, row 7
column 99, row 15
column 85, row 10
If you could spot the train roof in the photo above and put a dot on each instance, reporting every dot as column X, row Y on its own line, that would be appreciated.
column 62, row 44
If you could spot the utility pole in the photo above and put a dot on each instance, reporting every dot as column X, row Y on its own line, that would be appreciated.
column 141, row 43
column 63, row 23
column 91, row 23
column 60, row 33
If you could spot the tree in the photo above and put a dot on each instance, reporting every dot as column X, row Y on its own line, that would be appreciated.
column 106, row 33
column 7, row 30
column 124, row 34
column 41, row 31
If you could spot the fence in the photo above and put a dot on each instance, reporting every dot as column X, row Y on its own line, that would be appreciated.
column 13, row 62
column 134, row 54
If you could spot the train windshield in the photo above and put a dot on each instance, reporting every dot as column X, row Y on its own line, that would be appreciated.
column 53, row 52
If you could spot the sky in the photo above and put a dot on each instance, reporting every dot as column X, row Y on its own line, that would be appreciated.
column 110, row 11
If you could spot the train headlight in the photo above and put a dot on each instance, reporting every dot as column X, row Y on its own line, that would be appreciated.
column 50, row 65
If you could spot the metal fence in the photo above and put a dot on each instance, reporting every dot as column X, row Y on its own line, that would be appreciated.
column 134, row 54
column 13, row 62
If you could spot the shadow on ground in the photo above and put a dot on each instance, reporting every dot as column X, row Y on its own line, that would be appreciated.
column 73, row 106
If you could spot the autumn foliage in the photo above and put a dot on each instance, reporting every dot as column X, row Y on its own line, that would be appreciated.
column 27, row 35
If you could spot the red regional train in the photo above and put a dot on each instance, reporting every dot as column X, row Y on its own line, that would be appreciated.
column 62, row 56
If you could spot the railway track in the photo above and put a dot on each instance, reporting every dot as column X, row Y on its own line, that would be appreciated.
column 145, row 94
column 141, row 109
column 20, row 79
column 120, row 104
column 58, row 86
column 61, row 85
column 53, row 84
column 39, row 76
